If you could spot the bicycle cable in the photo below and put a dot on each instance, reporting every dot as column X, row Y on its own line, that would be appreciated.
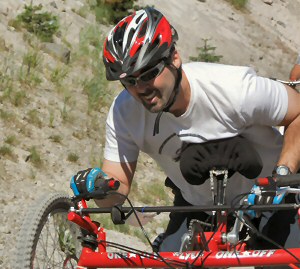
column 260, row 234
column 144, row 231
column 170, row 263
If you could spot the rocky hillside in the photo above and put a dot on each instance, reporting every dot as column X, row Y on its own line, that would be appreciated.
column 50, row 125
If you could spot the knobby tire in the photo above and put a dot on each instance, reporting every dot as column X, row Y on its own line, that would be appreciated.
column 47, row 239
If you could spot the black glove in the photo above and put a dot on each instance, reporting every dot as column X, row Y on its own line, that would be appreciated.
column 92, row 183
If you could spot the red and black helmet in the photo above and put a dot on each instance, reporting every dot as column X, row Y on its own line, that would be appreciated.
column 137, row 42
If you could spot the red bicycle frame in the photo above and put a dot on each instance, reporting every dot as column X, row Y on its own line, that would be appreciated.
column 220, row 254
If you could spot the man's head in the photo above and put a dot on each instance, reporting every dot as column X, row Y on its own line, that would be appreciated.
column 136, row 43
column 137, row 51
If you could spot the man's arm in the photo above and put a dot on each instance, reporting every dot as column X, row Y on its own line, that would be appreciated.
column 122, row 172
column 295, row 72
column 290, row 154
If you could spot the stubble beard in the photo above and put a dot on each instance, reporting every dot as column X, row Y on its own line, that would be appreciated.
column 160, row 105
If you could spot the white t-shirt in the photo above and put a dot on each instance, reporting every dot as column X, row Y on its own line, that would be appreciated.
column 225, row 101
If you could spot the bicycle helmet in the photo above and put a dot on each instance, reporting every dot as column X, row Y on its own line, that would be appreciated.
column 138, row 42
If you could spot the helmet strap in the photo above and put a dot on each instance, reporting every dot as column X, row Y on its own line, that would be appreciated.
column 171, row 100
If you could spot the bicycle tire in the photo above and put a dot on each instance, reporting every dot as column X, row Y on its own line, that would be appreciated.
column 47, row 237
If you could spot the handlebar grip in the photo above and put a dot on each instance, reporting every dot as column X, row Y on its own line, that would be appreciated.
column 280, row 181
column 287, row 180
column 104, row 185
column 113, row 184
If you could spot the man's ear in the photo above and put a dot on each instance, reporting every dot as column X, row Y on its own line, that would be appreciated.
column 176, row 59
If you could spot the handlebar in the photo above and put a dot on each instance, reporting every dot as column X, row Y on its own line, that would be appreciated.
column 279, row 181
column 292, row 84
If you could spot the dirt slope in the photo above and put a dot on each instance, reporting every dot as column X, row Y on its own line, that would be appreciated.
column 263, row 36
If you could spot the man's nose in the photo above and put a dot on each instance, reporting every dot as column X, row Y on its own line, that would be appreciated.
column 141, row 87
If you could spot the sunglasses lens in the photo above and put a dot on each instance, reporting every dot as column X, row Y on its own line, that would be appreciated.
column 129, row 81
column 146, row 76
column 151, row 74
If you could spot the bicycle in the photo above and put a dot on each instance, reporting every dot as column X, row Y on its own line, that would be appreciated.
column 219, row 247
column 64, row 225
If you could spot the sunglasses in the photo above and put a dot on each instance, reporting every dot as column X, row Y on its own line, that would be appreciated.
column 145, row 76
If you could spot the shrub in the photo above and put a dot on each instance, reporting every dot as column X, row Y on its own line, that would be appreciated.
column 96, row 87
column 34, row 118
column 29, row 71
column 56, row 138
column 206, row 53
column 11, row 140
column 58, row 75
column 5, row 151
column 73, row 157
column 43, row 24
column 111, row 11
column 238, row 4
column 35, row 157
column 31, row 60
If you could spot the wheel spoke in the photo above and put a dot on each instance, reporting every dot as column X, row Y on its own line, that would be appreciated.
column 57, row 243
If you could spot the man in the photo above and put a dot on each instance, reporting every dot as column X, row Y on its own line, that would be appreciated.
column 295, row 72
column 165, row 103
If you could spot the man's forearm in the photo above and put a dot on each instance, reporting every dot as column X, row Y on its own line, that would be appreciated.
column 290, row 154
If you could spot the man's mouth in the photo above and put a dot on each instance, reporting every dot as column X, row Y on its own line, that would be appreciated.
column 149, row 95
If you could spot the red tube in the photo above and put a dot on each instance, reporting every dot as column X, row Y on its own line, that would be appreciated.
column 83, row 222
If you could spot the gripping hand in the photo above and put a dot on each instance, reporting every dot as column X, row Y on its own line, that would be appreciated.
column 265, row 196
column 92, row 183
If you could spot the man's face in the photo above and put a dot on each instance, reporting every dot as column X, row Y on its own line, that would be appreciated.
column 155, row 93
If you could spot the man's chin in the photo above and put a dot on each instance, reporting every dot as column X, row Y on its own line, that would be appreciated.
column 153, row 108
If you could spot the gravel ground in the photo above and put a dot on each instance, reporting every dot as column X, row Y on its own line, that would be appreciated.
column 263, row 35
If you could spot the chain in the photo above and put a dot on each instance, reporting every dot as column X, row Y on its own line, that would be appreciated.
column 213, row 173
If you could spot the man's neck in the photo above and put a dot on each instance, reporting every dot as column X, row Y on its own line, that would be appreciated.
column 183, row 98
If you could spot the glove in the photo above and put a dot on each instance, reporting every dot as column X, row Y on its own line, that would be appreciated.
column 89, row 181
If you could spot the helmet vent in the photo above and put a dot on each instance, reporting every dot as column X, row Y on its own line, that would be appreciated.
column 155, row 16
column 118, row 39
column 129, row 39
column 156, row 42
column 143, row 29
column 139, row 18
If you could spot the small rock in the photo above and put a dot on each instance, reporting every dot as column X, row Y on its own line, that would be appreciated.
column 281, row 24
column 58, row 51
column 53, row 4
column 268, row 2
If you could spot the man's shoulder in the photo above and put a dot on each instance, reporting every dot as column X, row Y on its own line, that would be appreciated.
column 125, row 105
column 125, row 101
column 217, row 67
column 123, row 98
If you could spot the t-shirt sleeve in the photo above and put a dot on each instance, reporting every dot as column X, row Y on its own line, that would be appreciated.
column 119, row 145
column 264, row 101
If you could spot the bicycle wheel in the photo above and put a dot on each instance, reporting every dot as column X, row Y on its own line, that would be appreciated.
column 47, row 239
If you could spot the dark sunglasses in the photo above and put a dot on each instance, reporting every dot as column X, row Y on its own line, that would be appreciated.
column 145, row 76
